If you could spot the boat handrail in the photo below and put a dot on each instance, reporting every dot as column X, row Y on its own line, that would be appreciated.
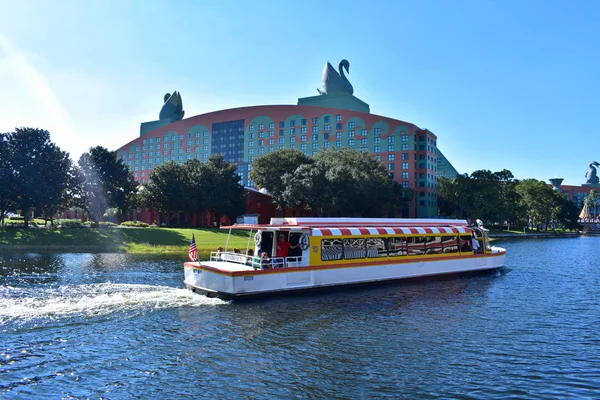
column 254, row 261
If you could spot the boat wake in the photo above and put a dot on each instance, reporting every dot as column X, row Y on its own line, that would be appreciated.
column 93, row 300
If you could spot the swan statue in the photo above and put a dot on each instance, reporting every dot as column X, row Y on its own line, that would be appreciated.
column 591, row 174
column 334, row 82
column 172, row 108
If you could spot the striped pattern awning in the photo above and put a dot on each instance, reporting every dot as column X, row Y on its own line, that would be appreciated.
column 388, row 231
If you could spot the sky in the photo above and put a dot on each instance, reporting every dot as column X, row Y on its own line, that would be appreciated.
column 504, row 84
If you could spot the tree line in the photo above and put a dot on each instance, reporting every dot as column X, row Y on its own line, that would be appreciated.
column 497, row 198
column 37, row 176
column 332, row 183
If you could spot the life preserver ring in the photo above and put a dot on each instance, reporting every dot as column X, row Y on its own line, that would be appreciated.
column 258, row 238
column 304, row 241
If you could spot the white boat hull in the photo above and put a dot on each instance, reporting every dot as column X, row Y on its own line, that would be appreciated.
column 232, row 281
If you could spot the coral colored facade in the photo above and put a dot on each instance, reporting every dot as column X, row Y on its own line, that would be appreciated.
column 243, row 134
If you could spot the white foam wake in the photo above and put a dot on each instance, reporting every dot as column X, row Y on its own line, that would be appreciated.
column 94, row 300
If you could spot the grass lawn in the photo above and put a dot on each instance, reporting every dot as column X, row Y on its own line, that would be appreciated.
column 130, row 240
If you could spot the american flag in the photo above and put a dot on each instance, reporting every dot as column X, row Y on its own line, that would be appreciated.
column 193, row 250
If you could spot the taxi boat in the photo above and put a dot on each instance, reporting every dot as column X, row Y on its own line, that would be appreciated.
column 332, row 252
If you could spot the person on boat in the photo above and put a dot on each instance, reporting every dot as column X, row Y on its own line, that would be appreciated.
column 476, row 245
column 265, row 260
column 284, row 246
column 219, row 252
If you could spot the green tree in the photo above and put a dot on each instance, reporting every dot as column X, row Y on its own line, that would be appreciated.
column 41, row 171
column 538, row 201
column 166, row 189
column 341, row 182
column 592, row 201
column 268, row 171
column 225, row 193
column 106, row 182
column 7, row 177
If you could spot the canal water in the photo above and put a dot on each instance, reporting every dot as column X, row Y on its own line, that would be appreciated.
column 120, row 326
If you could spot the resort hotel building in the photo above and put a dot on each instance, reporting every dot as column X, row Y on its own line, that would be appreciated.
column 334, row 118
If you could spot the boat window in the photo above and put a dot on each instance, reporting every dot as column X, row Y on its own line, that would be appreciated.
column 376, row 247
column 397, row 246
column 433, row 244
column 331, row 249
column 415, row 245
column 449, row 244
column 354, row 248
column 466, row 244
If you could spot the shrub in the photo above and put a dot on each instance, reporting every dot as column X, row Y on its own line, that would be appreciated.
column 106, row 224
column 16, row 218
column 137, row 224
column 70, row 223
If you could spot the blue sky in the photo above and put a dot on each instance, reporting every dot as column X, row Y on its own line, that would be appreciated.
column 503, row 84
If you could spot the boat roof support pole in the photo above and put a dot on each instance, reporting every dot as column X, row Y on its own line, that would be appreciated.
column 248, row 245
column 227, row 243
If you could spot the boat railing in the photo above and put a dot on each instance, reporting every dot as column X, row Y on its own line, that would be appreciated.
column 255, row 261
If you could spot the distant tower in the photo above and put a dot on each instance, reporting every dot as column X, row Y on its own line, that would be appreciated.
column 556, row 182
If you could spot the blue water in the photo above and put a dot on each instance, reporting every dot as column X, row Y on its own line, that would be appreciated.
column 120, row 326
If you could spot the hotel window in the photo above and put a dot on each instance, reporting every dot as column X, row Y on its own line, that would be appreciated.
column 205, row 141
column 281, row 147
column 391, row 139
column 404, row 165
column 304, row 130
column 188, row 143
column 261, row 150
column 404, row 138
column 405, row 185
column 271, row 141
column 315, row 129
column 326, row 136
column 261, row 134
column 282, row 140
column 390, row 166
column 327, row 128
column 338, row 117
column 422, row 147
column 351, row 125
column 143, row 148
column 292, row 131
column 173, row 138
column 205, row 156
column 391, row 157
column 292, row 146
column 377, row 149
column 338, row 135
column 189, row 135
column 180, row 151
column 251, row 144
column 261, row 142
column 404, row 147
column 251, row 128
column 272, row 133
column 250, row 159
column 157, row 140
column 364, row 149
column 314, row 153
column 405, row 175
column 391, row 147
column 363, row 141
column 180, row 144
column 303, row 138
column 315, row 145
column 315, row 120
column 303, row 122
column 292, row 139
column 315, row 137
column 303, row 146
column 179, row 158
column 326, row 145
column 364, row 132
column 205, row 134
column 261, row 127
column 188, row 157
column 251, row 136
column 204, row 148
column 350, row 142
column 377, row 140
column 282, row 124
column 378, row 131
column 338, row 126
column 144, row 141
column 250, row 151
column 326, row 119
column 157, row 160
column 378, row 158
column 188, row 150
column 197, row 142
column 338, row 143
column 350, row 134
column 165, row 152
column 293, row 122
column 271, row 126
column 405, row 156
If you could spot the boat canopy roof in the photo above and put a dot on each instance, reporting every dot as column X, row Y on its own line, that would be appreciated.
column 362, row 226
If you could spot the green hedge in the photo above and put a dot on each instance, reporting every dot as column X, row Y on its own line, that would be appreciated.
column 137, row 224
column 70, row 223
